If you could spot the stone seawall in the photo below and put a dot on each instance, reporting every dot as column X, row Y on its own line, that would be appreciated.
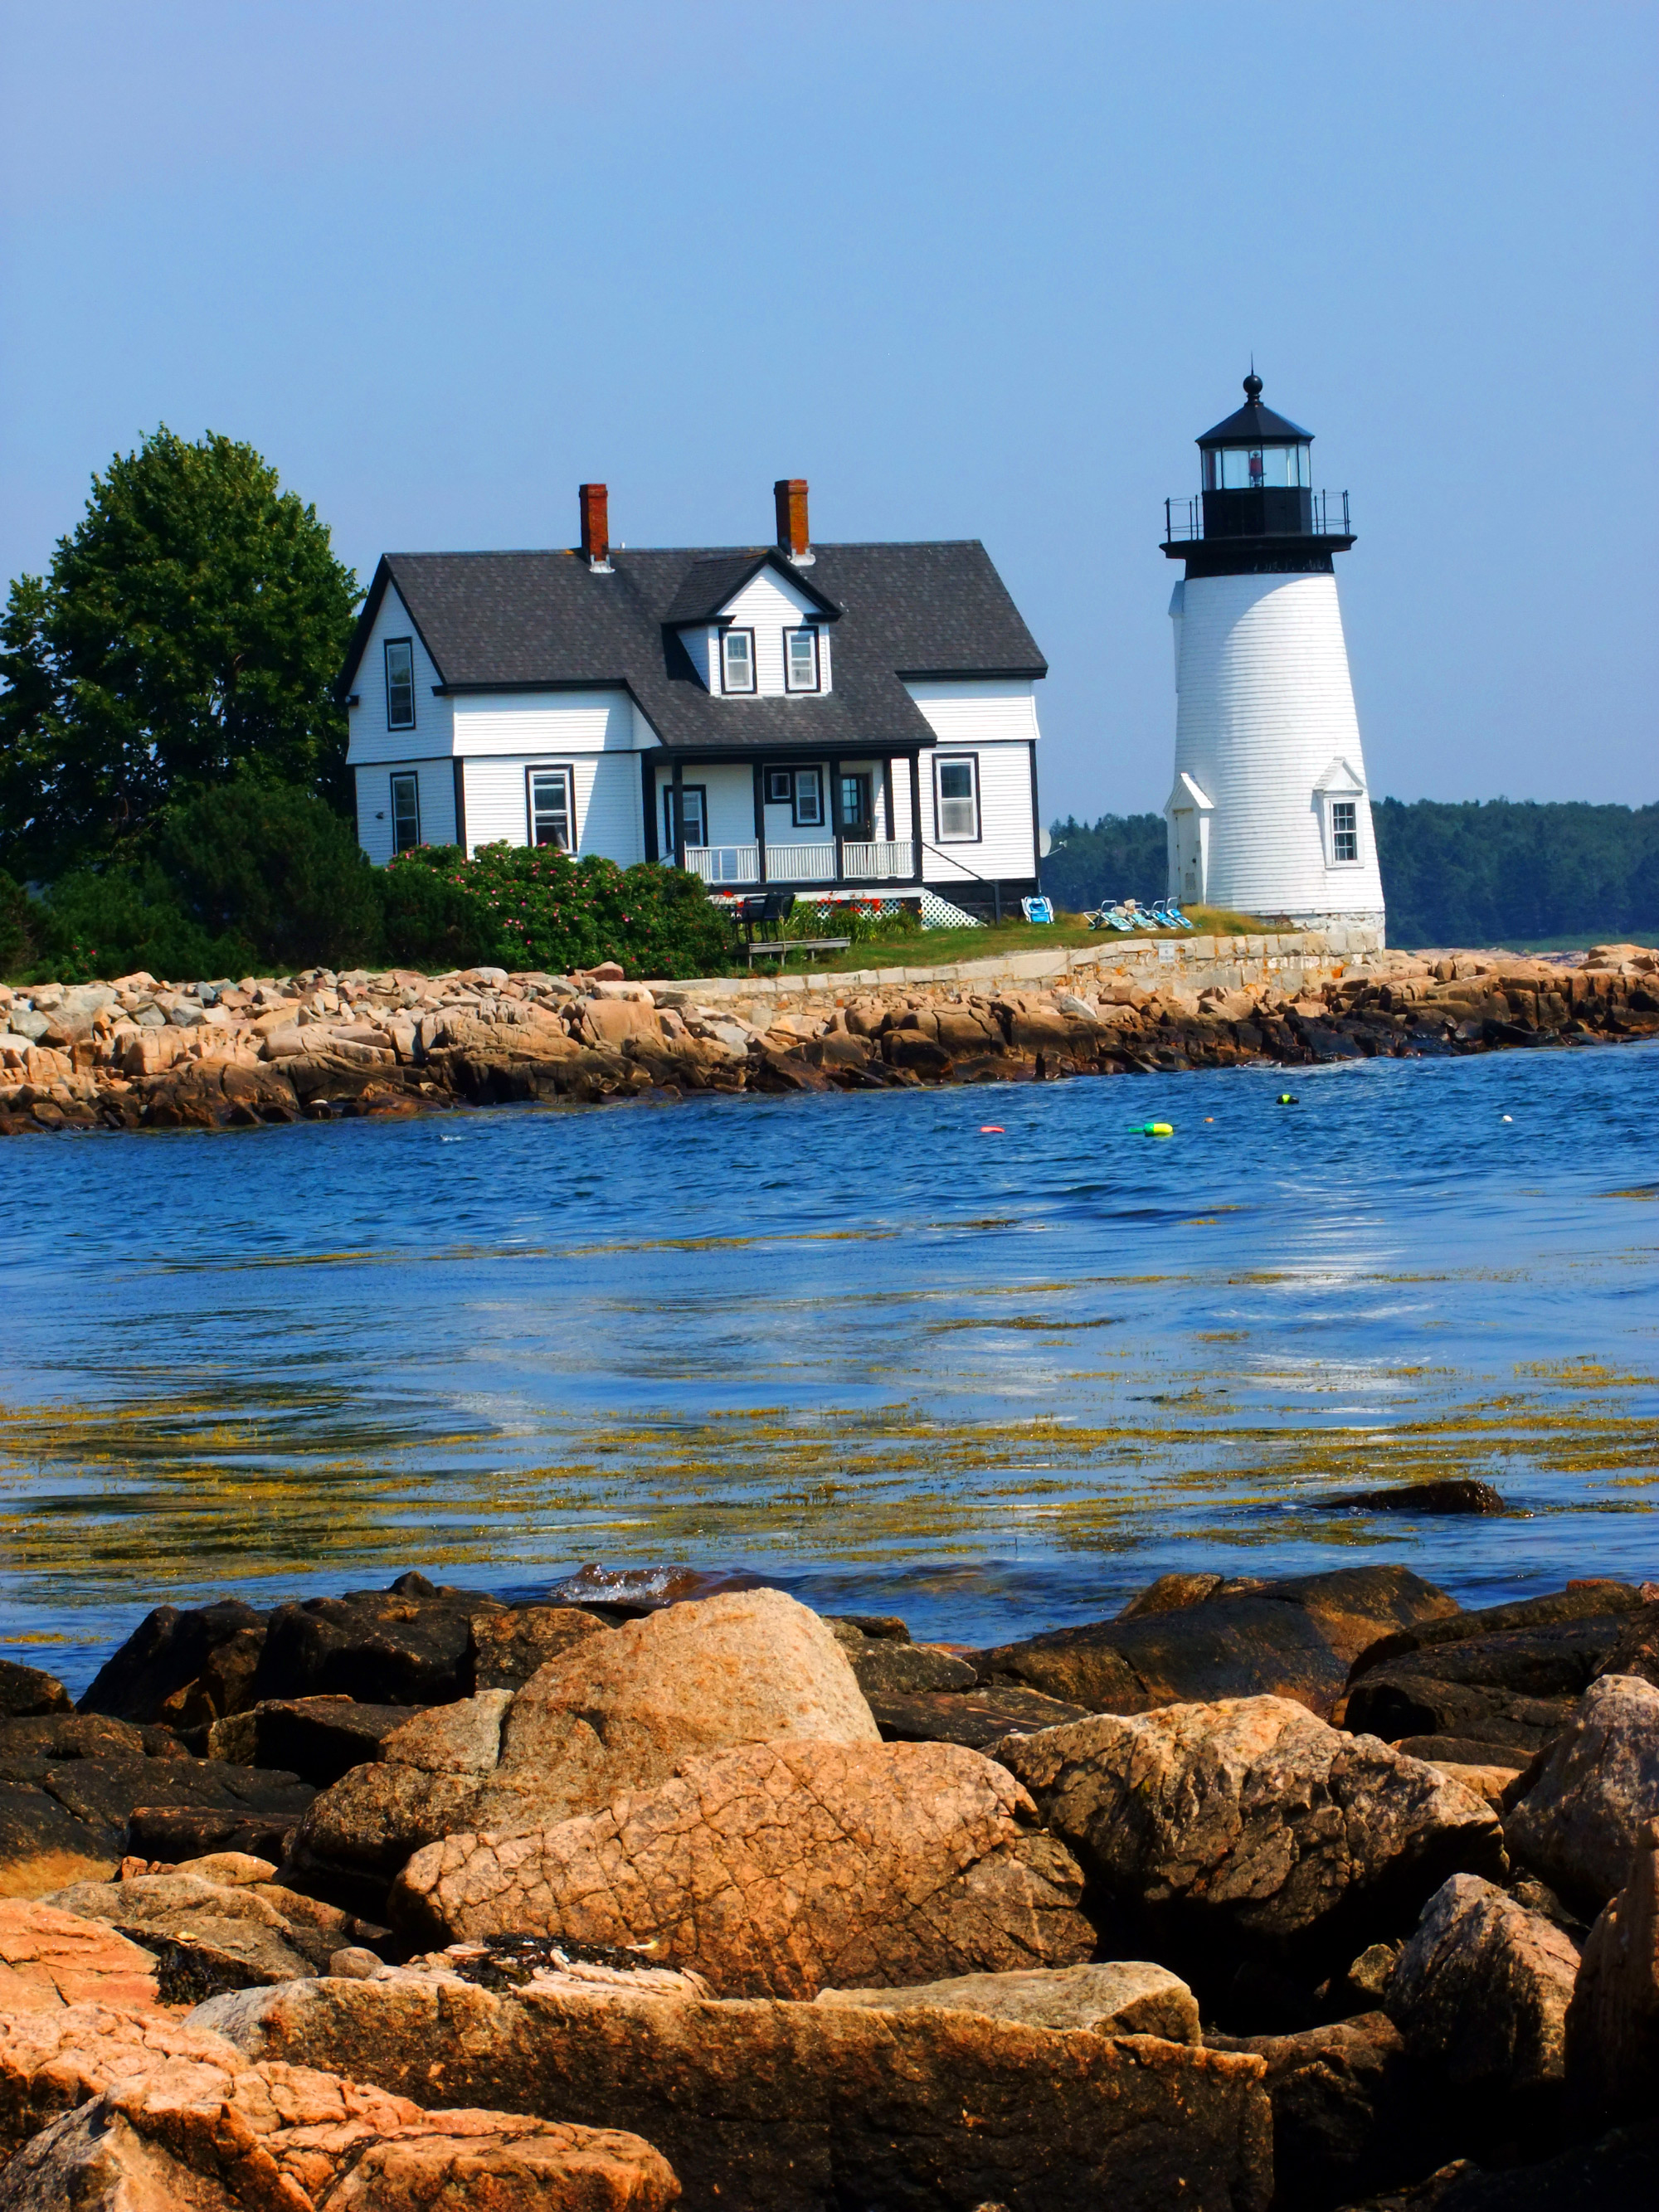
column 137, row 1053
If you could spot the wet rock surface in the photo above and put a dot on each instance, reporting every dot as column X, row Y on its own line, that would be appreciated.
column 1294, row 1639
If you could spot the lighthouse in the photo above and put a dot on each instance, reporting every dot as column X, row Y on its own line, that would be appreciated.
column 1270, row 812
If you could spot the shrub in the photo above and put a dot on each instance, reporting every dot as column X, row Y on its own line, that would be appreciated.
column 430, row 917
column 277, row 866
column 530, row 907
column 864, row 920
column 108, row 921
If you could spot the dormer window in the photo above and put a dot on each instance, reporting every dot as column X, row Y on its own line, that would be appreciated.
column 801, row 658
column 399, row 683
column 737, row 659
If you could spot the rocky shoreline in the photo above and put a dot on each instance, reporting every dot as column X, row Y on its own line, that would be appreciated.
column 1259, row 1897
column 138, row 1054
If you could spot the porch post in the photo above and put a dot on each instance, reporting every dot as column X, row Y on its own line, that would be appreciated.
column 760, row 819
column 834, row 774
column 887, row 799
column 679, row 813
column 648, row 798
column 915, row 815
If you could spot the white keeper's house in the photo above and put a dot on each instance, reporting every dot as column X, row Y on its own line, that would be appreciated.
column 845, row 720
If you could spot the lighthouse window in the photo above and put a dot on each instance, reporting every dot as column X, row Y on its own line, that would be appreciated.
column 1345, row 830
column 1257, row 468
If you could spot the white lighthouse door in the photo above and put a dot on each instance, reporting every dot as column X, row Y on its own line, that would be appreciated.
column 1190, row 870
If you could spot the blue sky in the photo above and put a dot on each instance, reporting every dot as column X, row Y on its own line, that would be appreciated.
column 973, row 269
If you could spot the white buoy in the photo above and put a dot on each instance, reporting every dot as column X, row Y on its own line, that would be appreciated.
column 1270, row 812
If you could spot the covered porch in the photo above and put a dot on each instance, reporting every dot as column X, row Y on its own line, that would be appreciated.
column 817, row 822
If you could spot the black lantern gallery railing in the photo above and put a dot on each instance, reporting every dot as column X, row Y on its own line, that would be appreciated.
column 1183, row 518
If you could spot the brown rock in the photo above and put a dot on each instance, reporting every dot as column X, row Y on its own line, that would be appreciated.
column 1253, row 1821
column 25, row 1690
column 1170, row 1593
column 1612, row 2022
column 320, row 1739
column 1636, row 1649
column 621, row 1711
column 50, row 1959
column 1595, row 1791
column 764, row 2107
column 1393, row 1704
column 1481, row 1990
column 979, row 1718
column 1348, row 2116
column 146, row 2113
column 781, row 1869
column 1125, row 1997
column 507, row 1647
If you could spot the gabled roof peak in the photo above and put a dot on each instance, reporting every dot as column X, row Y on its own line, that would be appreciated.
column 711, row 583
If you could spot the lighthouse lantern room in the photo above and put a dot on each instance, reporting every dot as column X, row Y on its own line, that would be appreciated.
column 1269, row 813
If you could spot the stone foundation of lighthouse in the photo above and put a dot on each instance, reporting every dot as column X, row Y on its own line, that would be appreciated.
column 1271, row 812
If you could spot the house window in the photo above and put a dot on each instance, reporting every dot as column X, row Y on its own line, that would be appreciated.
column 694, row 813
column 737, row 659
column 405, row 812
column 552, row 816
column 802, row 650
column 809, row 799
column 780, row 786
column 957, row 786
column 1344, row 830
column 399, row 683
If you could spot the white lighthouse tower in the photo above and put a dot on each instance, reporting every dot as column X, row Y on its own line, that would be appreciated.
column 1270, row 812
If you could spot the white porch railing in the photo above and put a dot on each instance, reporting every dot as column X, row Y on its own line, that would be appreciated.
column 800, row 864
column 878, row 860
column 724, row 863
column 884, row 858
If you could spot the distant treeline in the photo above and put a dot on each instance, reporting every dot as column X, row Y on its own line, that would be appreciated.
column 1492, row 871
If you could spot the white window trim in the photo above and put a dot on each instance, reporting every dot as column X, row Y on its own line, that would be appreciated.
column 739, row 690
column 957, row 760
column 793, row 631
column 797, row 820
column 568, row 770
column 407, row 643
column 1328, row 803
column 402, row 775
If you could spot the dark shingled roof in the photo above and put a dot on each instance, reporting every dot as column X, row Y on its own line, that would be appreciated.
column 1255, row 425
column 533, row 621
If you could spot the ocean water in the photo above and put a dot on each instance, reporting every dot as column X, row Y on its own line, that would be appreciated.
column 986, row 1358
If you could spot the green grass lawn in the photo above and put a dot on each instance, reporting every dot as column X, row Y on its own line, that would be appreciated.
column 944, row 948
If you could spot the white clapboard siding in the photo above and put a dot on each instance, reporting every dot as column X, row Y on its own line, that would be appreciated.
column 1006, row 844
column 768, row 604
column 436, row 787
column 607, row 794
column 370, row 739
column 555, row 724
column 1265, row 705
column 995, row 719
column 728, row 790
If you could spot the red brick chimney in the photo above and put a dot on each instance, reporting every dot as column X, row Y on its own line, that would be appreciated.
column 789, row 494
column 596, row 525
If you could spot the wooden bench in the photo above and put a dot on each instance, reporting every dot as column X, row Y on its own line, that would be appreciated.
column 789, row 944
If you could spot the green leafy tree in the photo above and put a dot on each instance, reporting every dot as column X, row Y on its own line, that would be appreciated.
column 276, row 866
column 190, row 629
column 1120, row 856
